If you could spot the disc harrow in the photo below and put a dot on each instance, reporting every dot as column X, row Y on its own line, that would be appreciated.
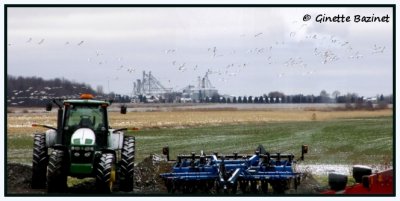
column 260, row 173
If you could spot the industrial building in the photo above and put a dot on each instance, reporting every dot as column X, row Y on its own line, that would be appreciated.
column 150, row 88
column 203, row 89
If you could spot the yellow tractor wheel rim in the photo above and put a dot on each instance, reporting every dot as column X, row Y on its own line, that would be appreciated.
column 112, row 178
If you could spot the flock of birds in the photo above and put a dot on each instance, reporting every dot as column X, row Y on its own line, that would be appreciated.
column 328, row 49
column 18, row 97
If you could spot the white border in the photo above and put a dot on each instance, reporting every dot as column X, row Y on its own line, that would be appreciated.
column 2, row 126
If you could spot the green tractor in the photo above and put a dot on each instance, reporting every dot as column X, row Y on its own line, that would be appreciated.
column 83, row 145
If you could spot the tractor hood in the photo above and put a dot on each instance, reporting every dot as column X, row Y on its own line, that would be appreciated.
column 83, row 136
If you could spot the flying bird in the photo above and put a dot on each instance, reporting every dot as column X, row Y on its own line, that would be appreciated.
column 258, row 34
column 80, row 43
column 41, row 41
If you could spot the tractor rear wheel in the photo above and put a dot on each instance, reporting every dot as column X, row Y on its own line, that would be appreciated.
column 105, row 173
column 40, row 160
column 127, row 164
column 56, row 172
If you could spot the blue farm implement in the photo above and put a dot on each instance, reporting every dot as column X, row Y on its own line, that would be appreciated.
column 230, row 173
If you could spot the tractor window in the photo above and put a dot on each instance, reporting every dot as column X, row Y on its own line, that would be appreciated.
column 84, row 116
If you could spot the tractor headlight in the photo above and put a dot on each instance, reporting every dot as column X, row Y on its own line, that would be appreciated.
column 88, row 154
column 89, row 148
column 74, row 148
column 77, row 154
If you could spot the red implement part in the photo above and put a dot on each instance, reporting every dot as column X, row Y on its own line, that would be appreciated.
column 380, row 183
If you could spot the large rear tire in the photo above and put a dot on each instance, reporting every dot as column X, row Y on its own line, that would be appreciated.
column 40, row 160
column 105, row 173
column 127, row 164
column 57, row 172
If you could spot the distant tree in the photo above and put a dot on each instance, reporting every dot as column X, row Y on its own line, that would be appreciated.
column 240, row 99
column 276, row 94
column 381, row 98
column 250, row 99
column 261, row 99
column 335, row 95
column 324, row 96
column 256, row 100
column 228, row 100
column 244, row 99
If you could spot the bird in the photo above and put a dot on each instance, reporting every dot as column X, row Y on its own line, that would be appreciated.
column 378, row 49
column 41, row 41
column 215, row 51
column 256, row 35
column 182, row 67
column 29, row 40
column 80, row 43
column 345, row 43
column 130, row 70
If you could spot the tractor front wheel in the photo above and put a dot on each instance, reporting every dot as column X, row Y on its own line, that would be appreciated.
column 127, row 164
column 56, row 172
column 105, row 173
column 40, row 160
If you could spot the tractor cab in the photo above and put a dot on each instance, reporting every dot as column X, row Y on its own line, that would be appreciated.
column 84, row 114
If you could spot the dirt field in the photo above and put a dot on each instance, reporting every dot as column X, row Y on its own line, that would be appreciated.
column 147, row 181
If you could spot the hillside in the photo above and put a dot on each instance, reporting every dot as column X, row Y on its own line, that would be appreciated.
column 35, row 91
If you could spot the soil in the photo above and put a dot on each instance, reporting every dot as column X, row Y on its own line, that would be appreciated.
column 147, row 181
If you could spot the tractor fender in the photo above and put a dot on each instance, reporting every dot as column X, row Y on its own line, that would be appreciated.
column 115, row 140
column 51, row 137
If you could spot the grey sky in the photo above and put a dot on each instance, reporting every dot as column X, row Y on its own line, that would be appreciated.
column 270, row 48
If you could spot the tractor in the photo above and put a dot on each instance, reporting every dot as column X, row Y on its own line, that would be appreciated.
column 83, row 145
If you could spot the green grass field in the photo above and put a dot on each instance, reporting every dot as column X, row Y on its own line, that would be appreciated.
column 344, row 141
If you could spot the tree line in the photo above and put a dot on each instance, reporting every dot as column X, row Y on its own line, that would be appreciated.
column 35, row 91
